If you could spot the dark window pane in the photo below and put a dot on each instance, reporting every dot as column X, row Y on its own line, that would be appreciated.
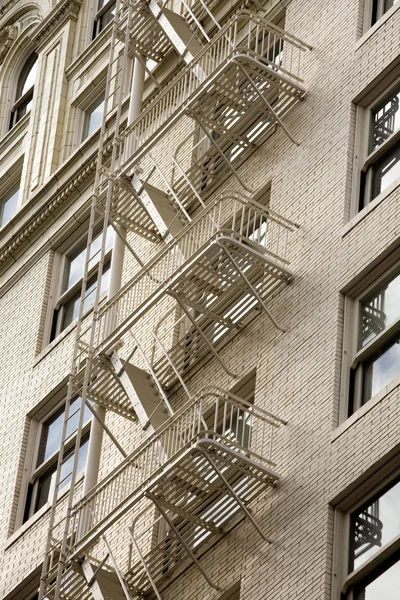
column 386, row 171
column 384, row 587
column 106, row 18
column 380, row 310
column 45, row 488
column 381, row 369
column 374, row 525
column 71, row 311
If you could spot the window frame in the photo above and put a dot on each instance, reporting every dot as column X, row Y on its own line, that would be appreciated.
column 27, row 97
column 364, row 159
column 346, row 585
column 29, row 491
column 98, row 27
column 7, row 196
column 374, row 10
column 62, row 298
column 354, row 356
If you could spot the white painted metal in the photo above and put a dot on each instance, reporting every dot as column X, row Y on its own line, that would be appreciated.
column 238, row 434
column 222, row 266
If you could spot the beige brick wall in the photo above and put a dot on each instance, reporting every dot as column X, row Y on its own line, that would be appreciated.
column 298, row 372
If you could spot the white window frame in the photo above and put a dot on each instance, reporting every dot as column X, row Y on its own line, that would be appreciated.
column 343, row 582
column 364, row 159
column 32, row 472
column 370, row 7
column 98, row 27
column 353, row 357
column 62, row 297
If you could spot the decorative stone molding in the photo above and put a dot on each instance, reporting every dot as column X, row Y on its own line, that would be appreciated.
column 65, row 10
column 6, row 7
column 7, row 36
column 47, row 212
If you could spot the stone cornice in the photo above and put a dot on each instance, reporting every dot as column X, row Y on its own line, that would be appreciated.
column 6, row 7
column 47, row 212
column 66, row 9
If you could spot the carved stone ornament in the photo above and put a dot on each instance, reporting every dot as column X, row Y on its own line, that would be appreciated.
column 7, row 36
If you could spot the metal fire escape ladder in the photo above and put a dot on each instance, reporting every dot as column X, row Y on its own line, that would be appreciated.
column 56, row 571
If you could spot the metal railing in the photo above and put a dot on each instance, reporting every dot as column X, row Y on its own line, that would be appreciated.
column 232, row 215
column 213, row 415
column 244, row 35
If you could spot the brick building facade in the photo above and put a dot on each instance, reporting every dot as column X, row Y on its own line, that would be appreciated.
column 266, row 244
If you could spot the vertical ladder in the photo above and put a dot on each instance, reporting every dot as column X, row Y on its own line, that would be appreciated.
column 54, row 562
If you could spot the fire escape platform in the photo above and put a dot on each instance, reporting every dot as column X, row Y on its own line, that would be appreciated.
column 236, row 90
column 239, row 49
column 199, row 470
column 217, row 262
column 201, row 504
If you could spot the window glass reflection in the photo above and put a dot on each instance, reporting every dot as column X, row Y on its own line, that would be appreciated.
column 93, row 118
column 8, row 206
column 373, row 526
column 76, row 265
column 385, row 120
column 52, row 429
column 381, row 369
column 380, row 310
column 47, row 482
column 384, row 587
column 387, row 170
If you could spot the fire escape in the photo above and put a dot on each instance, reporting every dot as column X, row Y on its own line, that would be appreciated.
column 218, row 259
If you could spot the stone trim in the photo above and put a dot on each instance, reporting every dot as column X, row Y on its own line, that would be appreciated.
column 47, row 211
column 67, row 9
column 7, row 36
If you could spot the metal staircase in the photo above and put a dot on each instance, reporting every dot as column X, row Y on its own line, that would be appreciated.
column 234, row 92
column 200, row 469
column 221, row 261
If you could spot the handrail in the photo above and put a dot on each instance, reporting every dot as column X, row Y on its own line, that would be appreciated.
column 237, row 424
column 231, row 212
column 260, row 38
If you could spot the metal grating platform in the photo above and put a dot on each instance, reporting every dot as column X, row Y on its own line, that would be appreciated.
column 199, row 470
column 235, row 90
column 198, row 260
column 105, row 388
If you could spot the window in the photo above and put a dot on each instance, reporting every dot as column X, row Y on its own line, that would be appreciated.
column 93, row 117
column 8, row 205
column 104, row 16
column 47, row 446
column 376, row 347
column 375, row 524
column 72, row 270
column 381, row 151
column 25, row 88
column 379, row 8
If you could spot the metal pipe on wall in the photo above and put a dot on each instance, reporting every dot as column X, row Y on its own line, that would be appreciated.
column 117, row 262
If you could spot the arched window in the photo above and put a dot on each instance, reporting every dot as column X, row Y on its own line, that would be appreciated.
column 25, row 87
